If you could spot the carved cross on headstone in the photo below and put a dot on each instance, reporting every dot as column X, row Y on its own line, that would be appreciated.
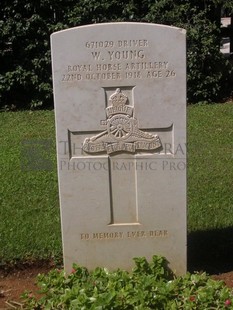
column 123, row 142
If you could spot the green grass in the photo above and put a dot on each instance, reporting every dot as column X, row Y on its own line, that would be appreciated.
column 29, row 207
column 210, row 171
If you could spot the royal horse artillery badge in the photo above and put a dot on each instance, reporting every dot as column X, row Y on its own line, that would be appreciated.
column 122, row 132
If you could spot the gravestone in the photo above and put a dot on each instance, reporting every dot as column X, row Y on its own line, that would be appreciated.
column 120, row 100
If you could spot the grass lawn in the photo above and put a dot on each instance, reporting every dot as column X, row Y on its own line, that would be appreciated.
column 210, row 171
column 29, row 206
column 29, row 211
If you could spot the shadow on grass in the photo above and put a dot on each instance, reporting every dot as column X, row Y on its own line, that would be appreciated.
column 211, row 251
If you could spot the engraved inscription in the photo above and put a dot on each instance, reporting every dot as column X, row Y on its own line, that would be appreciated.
column 80, row 68
column 121, row 55
column 133, row 43
column 117, row 235
column 99, row 44
column 108, row 67
column 103, row 76
column 119, row 43
column 118, row 71
column 118, row 60
column 122, row 132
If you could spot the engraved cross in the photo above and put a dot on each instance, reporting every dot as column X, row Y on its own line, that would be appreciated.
column 123, row 142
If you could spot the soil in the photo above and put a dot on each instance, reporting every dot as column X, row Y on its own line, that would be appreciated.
column 14, row 282
column 18, row 280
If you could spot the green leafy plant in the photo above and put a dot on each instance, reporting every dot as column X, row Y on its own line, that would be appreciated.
column 149, row 286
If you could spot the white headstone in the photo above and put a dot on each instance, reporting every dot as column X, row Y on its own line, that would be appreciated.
column 120, row 103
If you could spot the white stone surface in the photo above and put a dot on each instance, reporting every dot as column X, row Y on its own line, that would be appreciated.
column 120, row 103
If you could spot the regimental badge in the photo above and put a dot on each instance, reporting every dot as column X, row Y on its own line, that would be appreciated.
column 122, row 133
